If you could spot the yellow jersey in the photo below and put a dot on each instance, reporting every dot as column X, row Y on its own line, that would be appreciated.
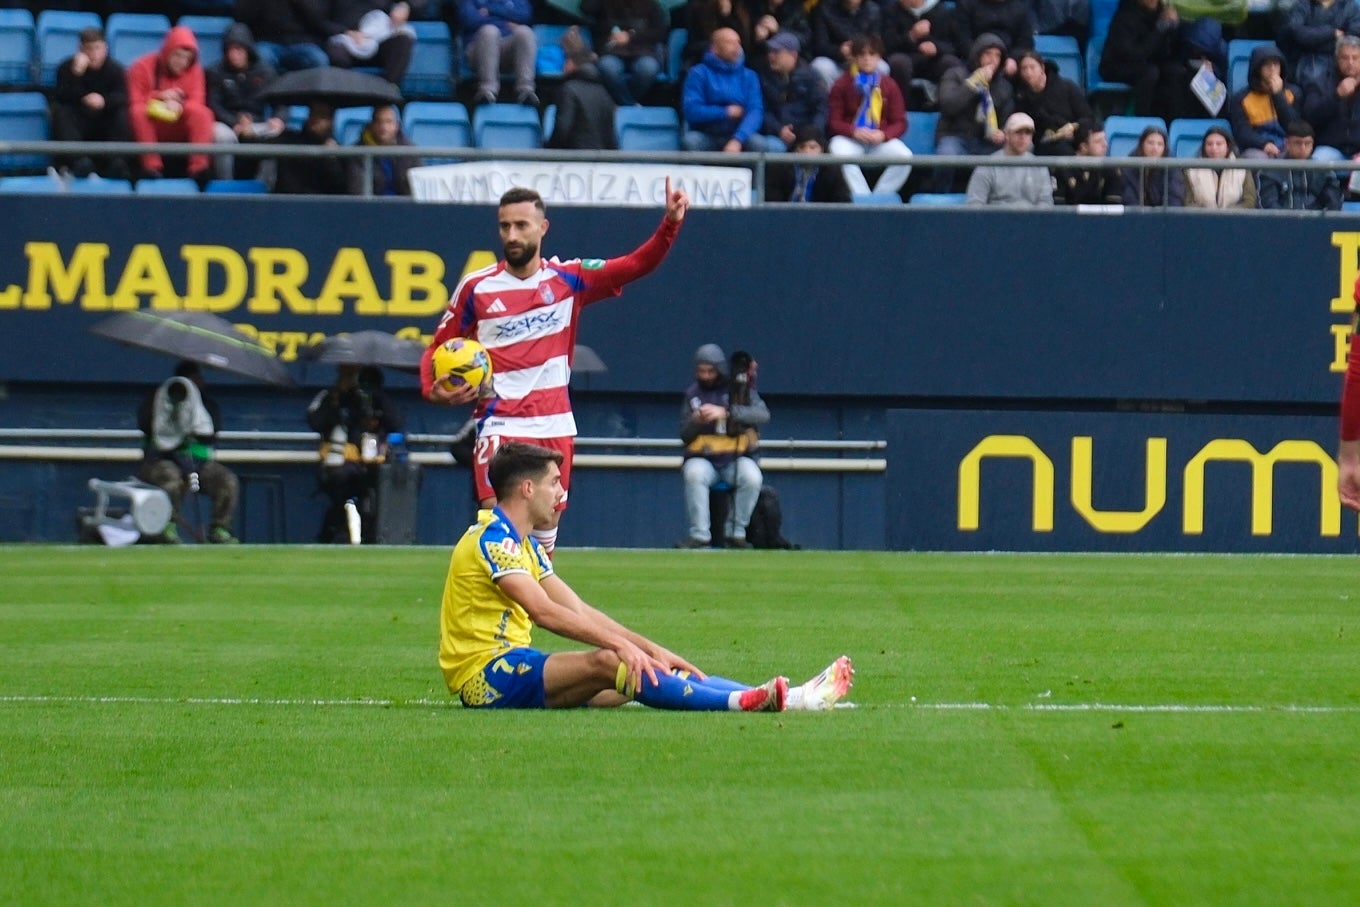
column 477, row 621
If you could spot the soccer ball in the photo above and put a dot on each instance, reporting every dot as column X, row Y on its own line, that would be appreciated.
column 461, row 361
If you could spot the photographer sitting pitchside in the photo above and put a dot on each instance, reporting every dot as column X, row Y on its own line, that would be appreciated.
column 718, row 425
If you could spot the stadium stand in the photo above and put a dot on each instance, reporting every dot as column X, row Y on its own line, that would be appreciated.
column 208, row 30
column 1110, row 95
column 235, row 187
column 1123, row 132
column 33, row 185
column 1066, row 53
column 171, row 186
column 939, row 198
column 430, row 74
column 879, row 199
column 1186, row 135
column 647, row 128
column 132, row 35
column 350, row 123
column 94, row 185
column 1239, row 55
column 920, row 137
column 23, row 118
column 512, row 126
column 16, row 47
column 437, row 124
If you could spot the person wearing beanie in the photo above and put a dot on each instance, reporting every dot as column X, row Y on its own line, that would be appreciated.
column 719, row 418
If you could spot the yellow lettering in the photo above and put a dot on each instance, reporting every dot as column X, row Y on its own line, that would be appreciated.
column 483, row 258
column 350, row 277
column 279, row 275
column 145, row 275
column 417, row 283
column 10, row 296
column 1262, row 482
column 1014, row 446
column 198, row 261
column 1124, row 521
column 1341, row 345
column 1349, row 246
column 46, row 269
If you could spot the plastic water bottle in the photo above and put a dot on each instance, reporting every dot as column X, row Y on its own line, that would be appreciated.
column 355, row 524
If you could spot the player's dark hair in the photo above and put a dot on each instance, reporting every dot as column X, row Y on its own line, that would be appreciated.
column 516, row 461
column 523, row 194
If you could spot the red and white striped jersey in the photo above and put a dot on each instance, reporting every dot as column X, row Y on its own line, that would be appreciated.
column 529, row 328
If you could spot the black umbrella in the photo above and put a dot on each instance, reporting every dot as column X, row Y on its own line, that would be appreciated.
column 198, row 336
column 367, row 348
column 335, row 86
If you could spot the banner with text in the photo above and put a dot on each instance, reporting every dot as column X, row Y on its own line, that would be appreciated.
column 614, row 185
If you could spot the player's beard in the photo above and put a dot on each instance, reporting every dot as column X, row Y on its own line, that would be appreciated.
column 519, row 256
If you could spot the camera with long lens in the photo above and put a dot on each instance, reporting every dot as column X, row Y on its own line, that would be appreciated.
column 743, row 372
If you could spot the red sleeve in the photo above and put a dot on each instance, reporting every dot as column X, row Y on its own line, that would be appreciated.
column 609, row 279
column 450, row 326
column 836, row 122
column 894, row 110
column 139, row 82
column 1350, row 388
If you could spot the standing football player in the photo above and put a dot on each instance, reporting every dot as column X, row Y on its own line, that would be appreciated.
column 525, row 310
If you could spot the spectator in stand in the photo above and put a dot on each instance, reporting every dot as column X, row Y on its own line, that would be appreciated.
column 1007, row 19
column 974, row 101
column 289, row 34
column 631, row 37
column 866, row 115
column 794, row 95
column 1308, row 36
column 1057, row 105
column 167, row 101
column 835, row 24
column 1153, row 188
column 585, row 110
column 1093, row 185
column 1141, row 50
column 1205, row 188
column 721, row 100
column 375, row 33
column 1332, row 109
column 311, row 175
column 787, row 17
column 391, row 175
column 1062, row 17
column 497, row 33
column 1015, row 186
column 1300, row 190
column 704, row 17
column 918, row 38
column 800, row 183
column 234, row 86
column 90, row 104
column 1261, row 112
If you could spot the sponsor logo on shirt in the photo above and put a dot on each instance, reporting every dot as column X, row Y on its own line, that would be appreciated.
column 543, row 322
column 498, row 305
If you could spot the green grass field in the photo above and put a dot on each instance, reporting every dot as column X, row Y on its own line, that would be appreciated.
column 268, row 726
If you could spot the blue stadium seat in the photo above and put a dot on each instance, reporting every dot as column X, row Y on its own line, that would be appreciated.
column 1345, row 206
column 57, row 34
column 430, row 74
column 1102, row 11
column 878, row 199
column 208, row 30
column 1123, row 132
column 235, row 187
column 23, row 118
column 93, row 185
column 939, row 198
column 675, row 50
column 1066, row 53
column 32, row 185
column 17, row 32
column 1095, row 85
column 169, row 186
column 132, row 35
column 1187, row 134
column 920, row 137
column 1239, row 58
column 350, row 123
column 647, row 128
column 551, row 59
column 437, row 124
column 507, row 126
column 549, row 121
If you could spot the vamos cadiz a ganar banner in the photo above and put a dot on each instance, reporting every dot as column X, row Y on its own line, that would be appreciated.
column 895, row 304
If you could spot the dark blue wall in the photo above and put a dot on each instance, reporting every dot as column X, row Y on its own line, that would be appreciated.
column 850, row 312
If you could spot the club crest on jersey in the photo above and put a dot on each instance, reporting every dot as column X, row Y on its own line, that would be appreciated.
column 546, row 294
column 510, row 547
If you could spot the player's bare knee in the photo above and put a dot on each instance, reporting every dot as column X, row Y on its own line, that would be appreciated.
column 604, row 664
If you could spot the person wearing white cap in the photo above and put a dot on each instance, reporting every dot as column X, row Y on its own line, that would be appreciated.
column 992, row 185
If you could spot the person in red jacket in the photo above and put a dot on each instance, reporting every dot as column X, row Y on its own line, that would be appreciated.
column 167, row 101
column 866, row 115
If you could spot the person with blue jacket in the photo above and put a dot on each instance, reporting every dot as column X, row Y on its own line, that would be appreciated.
column 496, row 31
column 722, row 103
